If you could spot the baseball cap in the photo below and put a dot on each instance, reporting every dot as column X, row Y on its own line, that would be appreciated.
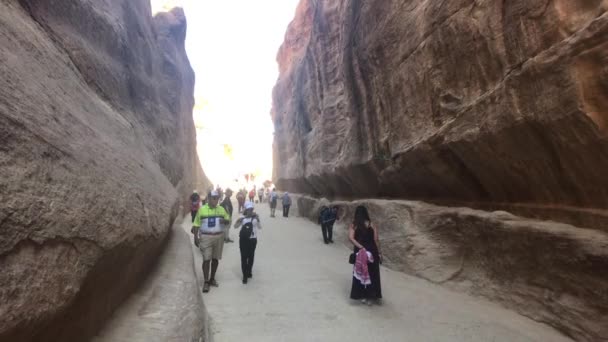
column 248, row 205
column 214, row 194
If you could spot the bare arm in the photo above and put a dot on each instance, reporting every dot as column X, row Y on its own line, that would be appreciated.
column 351, row 236
column 238, row 222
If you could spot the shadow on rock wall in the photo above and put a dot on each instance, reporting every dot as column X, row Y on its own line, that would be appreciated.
column 97, row 149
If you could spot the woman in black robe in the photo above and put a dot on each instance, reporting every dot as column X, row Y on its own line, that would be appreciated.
column 364, row 235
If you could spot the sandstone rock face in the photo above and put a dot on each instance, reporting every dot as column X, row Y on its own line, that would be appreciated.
column 97, row 148
column 492, row 104
column 550, row 272
column 466, row 100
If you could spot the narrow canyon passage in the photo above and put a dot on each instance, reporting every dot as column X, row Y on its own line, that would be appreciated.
column 300, row 292
column 474, row 132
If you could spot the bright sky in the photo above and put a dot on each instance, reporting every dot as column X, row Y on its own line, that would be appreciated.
column 232, row 46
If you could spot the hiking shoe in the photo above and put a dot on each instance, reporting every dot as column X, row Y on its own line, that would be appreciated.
column 331, row 241
column 206, row 287
column 213, row 282
column 244, row 280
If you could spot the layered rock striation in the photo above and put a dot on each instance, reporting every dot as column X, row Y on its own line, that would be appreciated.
column 495, row 105
column 97, row 149
column 478, row 101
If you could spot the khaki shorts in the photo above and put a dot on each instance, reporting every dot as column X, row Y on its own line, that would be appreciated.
column 211, row 246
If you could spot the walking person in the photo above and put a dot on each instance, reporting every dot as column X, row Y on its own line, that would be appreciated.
column 273, row 202
column 220, row 191
column 327, row 218
column 286, row 204
column 251, row 195
column 261, row 194
column 249, row 223
column 227, row 205
column 209, row 236
column 240, row 198
column 366, row 272
column 195, row 203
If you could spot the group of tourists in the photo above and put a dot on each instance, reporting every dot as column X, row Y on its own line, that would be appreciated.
column 264, row 195
column 273, row 199
column 211, row 228
column 211, row 224
column 366, row 257
column 243, row 194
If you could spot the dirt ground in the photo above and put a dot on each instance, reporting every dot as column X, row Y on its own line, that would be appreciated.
column 300, row 292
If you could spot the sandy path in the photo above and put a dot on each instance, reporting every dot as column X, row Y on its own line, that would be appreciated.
column 300, row 289
column 167, row 306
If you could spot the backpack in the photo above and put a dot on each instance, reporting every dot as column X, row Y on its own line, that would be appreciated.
column 322, row 214
column 246, row 230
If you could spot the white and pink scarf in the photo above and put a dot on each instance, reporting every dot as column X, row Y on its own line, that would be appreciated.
column 360, row 271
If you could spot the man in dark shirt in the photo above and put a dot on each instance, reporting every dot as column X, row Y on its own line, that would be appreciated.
column 195, row 203
column 227, row 205
column 327, row 218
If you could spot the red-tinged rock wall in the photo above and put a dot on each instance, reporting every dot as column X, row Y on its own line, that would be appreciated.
column 476, row 101
column 97, row 152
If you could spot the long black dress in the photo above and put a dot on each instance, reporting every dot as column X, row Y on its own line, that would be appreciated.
column 365, row 236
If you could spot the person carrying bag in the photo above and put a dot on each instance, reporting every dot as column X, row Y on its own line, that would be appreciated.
column 249, row 223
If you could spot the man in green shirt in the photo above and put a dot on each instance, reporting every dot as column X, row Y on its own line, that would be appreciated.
column 208, row 232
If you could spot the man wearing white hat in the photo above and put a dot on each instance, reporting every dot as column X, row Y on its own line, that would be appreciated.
column 249, row 223
column 207, row 229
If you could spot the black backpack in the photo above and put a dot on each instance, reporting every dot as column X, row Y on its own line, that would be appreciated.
column 246, row 230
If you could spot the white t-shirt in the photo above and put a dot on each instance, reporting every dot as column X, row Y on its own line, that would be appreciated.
column 256, row 225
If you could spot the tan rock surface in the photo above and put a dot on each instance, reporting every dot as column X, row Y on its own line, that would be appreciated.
column 97, row 148
column 548, row 271
column 501, row 101
column 496, row 105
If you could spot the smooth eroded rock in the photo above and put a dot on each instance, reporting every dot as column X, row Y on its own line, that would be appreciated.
column 548, row 271
column 97, row 149
column 478, row 101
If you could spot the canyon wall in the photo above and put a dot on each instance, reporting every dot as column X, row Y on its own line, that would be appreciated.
column 492, row 105
column 97, row 155
column 466, row 100
column 551, row 272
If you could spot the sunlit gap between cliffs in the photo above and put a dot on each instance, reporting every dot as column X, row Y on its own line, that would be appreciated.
column 232, row 46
